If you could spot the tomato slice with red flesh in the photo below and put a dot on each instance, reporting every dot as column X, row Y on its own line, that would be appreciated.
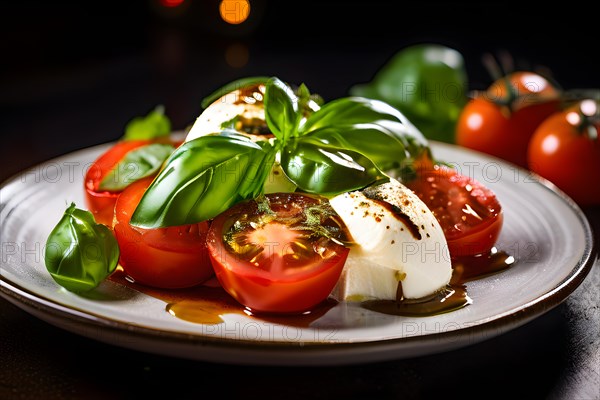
column 172, row 257
column 101, row 202
column 469, row 213
column 283, row 253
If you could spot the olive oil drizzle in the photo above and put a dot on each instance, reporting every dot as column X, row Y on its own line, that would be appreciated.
column 208, row 305
column 445, row 300
column 452, row 297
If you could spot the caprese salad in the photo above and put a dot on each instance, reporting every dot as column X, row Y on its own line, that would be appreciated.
column 285, row 200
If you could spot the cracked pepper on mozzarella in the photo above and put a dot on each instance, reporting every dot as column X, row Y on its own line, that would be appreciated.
column 397, row 238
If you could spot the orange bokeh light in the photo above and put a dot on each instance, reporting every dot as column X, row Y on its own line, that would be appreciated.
column 234, row 11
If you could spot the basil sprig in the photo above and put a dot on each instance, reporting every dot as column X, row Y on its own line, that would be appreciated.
column 79, row 252
column 347, row 144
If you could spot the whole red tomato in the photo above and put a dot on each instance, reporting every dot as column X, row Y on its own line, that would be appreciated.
column 565, row 149
column 502, row 120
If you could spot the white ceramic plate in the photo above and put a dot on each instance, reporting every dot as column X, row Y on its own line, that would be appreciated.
column 544, row 230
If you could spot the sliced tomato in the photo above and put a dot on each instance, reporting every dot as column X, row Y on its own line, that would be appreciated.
column 280, row 254
column 469, row 213
column 100, row 202
column 173, row 257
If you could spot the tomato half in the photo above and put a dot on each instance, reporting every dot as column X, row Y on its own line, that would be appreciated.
column 173, row 257
column 502, row 120
column 468, row 212
column 282, row 254
column 562, row 151
column 100, row 202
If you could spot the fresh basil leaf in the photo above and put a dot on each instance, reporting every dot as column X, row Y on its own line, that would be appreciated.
column 79, row 252
column 137, row 164
column 154, row 125
column 201, row 179
column 258, row 173
column 348, row 111
column 281, row 109
column 231, row 86
column 372, row 140
column 328, row 170
column 308, row 102
column 427, row 83
column 303, row 93
column 371, row 127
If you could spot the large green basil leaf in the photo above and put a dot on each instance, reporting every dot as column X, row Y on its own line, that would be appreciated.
column 372, row 140
column 427, row 83
column 137, row 164
column 348, row 111
column 201, row 179
column 371, row 127
column 328, row 170
column 232, row 86
column 281, row 109
column 79, row 252
column 154, row 125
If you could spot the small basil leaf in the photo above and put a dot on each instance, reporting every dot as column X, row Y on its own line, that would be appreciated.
column 79, row 252
column 308, row 102
column 154, row 125
column 137, row 164
column 201, row 179
column 303, row 93
column 328, row 170
column 231, row 86
column 281, row 109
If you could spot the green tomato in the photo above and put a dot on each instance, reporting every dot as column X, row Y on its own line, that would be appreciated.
column 427, row 83
column 80, row 253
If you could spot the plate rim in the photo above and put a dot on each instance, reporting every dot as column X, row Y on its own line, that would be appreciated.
column 51, row 311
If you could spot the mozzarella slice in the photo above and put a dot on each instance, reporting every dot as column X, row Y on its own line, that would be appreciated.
column 397, row 239
column 245, row 104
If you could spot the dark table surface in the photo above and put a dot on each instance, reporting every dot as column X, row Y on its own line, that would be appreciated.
column 73, row 76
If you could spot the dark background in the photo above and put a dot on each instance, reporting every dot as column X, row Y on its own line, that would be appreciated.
column 73, row 74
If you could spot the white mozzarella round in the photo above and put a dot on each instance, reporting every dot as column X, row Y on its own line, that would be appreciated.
column 397, row 238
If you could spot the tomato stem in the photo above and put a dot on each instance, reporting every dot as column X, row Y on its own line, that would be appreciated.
column 492, row 66
column 588, row 111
